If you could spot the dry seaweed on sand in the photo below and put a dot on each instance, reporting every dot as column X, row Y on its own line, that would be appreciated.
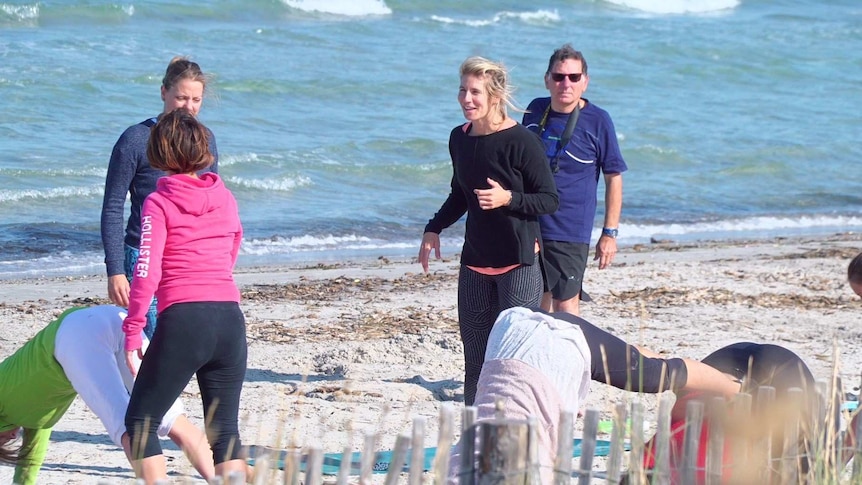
column 664, row 297
column 343, row 287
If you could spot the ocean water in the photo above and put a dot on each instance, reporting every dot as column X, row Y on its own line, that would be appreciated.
column 737, row 118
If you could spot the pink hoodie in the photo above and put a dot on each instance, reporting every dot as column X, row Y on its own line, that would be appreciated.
column 190, row 237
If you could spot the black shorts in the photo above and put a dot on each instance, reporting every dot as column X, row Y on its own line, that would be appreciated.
column 565, row 263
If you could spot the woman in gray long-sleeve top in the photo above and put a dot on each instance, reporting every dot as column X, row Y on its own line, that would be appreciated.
column 129, row 173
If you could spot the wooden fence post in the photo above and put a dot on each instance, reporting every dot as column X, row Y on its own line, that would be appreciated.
column 636, row 457
column 344, row 467
column 468, row 444
column 691, row 440
column 504, row 456
column 468, row 447
column 661, row 472
column 563, row 461
column 533, row 470
column 618, row 433
column 314, row 466
column 715, row 447
column 790, row 452
column 588, row 446
column 741, row 416
column 765, row 403
column 291, row 467
column 366, row 458
column 444, row 444
column 261, row 469
column 417, row 453
column 399, row 458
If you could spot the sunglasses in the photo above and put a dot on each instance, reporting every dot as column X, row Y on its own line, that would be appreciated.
column 558, row 76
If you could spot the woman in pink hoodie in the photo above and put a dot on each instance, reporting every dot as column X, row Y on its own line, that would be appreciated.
column 190, row 237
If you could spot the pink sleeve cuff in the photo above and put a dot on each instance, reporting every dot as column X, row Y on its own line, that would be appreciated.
column 133, row 339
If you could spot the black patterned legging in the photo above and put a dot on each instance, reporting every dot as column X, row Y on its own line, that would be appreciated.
column 481, row 298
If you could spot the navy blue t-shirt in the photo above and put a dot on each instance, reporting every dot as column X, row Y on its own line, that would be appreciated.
column 593, row 150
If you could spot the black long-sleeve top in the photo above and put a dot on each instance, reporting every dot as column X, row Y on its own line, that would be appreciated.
column 515, row 158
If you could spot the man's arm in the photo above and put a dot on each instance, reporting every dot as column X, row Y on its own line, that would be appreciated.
column 606, row 248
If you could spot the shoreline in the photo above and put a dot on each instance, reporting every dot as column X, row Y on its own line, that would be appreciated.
column 332, row 258
column 321, row 267
column 340, row 350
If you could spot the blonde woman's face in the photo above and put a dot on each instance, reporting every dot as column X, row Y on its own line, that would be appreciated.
column 474, row 99
column 187, row 93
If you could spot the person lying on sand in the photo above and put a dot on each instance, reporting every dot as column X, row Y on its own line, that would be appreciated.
column 539, row 364
column 753, row 365
column 81, row 352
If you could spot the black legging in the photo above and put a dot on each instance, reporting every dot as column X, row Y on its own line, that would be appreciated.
column 615, row 362
column 203, row 338
column 481, row 298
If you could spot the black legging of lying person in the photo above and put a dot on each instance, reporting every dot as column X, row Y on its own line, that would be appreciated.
column 622, row 365
column 615, row 362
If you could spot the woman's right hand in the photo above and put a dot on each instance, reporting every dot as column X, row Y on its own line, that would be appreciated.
column 430, row 240
column 118, row 290
column 133, row 360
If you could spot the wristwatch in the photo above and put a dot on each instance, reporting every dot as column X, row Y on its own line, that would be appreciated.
column 606, row 231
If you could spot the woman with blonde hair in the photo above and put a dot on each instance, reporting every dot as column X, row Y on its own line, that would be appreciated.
column 502, row 181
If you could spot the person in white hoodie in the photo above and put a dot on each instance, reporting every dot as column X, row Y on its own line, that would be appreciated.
column 536, row 366
column 539, row 364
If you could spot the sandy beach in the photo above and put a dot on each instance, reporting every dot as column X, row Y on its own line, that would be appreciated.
column 339, row 351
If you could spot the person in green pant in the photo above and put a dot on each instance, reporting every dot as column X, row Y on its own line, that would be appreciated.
column 81, row 352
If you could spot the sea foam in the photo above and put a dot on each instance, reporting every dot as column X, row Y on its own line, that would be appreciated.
column 341, row 7
column 677, row 6
column 538, row 16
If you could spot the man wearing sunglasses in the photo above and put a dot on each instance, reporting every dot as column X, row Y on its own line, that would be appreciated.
column 581, row 143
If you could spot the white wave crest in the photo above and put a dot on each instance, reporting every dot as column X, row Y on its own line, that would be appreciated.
column 277, row 185
column 539, row 16
column 53, row 193
column 21, row 12
column 227, row 160
column 677, row 6
column 60, row 264
column 739, row 228
column 280, row 244
column 353, row 8
column 55, row 172
column 318, row 244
